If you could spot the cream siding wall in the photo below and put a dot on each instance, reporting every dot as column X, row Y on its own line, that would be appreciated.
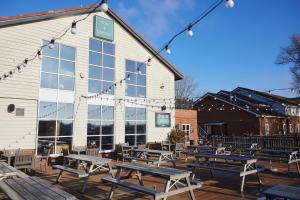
column 23, row 40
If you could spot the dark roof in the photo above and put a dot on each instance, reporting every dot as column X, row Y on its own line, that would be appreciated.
column 273, row 97
column 255, row 109
column 40, row 16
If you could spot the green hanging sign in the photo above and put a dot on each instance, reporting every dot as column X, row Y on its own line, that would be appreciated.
column 103, row 28
column 162, row 120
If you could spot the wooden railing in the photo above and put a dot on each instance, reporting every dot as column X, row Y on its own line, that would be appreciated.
column 269, row 142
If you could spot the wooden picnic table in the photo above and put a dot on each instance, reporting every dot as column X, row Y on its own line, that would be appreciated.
column 32, row 188
column 283, row 191
column 175, row 179
column 90, row 165
column 289, row 156
column 146, row 153
column 240, row 165
column 7, row 171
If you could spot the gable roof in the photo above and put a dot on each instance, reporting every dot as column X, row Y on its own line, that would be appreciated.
column 48, row 15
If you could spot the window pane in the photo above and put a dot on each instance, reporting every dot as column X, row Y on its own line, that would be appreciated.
column 49, row 65
column 94, row 112
column 95, row 72
column 130, row 66
column 140, row 139
column 129, row 127
column 94, row 86
column 67, row 68
column 108, row 61
column 141, row 114
column 63, row 143
column 141, row 80
column 130, row 139
column 132, row 78
column 50, row 52
column 107, row 128
column 66, row 83
column 131, row 91
column 141, row 92
column 95, row 45
column 142, row 68
column 93, row 127
column 141, row 127
column 108, row 74
column 95, row 58
column 47, row 110
column 108, row 86
column 49, row 81
column 107, row 113
column 45, row 144
column 47, row 128
column 64, row 127
column 108, row 48
column 107, row 142
column 67, row 53
column 65, row 111
column 93, row 142
column 130, row 113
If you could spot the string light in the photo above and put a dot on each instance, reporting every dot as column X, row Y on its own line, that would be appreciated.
column 190, row 31
column 104, row 6
column 73, row 28
column 51, row 44
column 168, row 50
column 39, row 54
column 229, row 3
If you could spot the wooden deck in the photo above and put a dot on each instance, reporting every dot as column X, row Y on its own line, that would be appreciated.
column 222, row 186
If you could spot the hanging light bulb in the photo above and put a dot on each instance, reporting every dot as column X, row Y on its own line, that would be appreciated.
column 149, row 62
column 190, row 31
column 168, row 51
column 39, row 55
column 104, row 6
column 229, row 3
column 73, row 28
column 139, row 71
column 128, row 77
column 51, row 44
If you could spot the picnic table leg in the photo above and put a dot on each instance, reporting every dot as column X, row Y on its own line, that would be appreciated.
column 243, row 178
column 167, row 187
column 59, row 176
column 87, row 178
column 159, row 160
column 117, row 176
column 139, row 176
column 191, row 188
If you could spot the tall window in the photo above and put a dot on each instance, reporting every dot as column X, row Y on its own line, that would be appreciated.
column 291, row 130
column 267, row 128
column 55, row 126
column 136, row 85
column 101, row 66
column 58, row 67
column 186, row 129
column 284, row 128
column 135, row 125
column 100, row 130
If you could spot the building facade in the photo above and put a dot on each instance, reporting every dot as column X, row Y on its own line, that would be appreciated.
column 186, row 120
column 243, row 112
column 46, row 102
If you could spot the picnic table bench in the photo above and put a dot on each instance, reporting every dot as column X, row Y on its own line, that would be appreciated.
column 283, row 191
column 91, row 164
column 240, row 165
column 175, row 178
column 32, row 188
column 281, row 155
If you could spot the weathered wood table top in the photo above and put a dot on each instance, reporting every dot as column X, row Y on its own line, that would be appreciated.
column 153, row 151
column 275, row 151
column 227, row 157
column 33, row 188
column 87, row 158
column 283, row 191
column 7, row 170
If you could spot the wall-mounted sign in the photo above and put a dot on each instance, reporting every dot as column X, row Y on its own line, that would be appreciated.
column 103, row 28
column 162, row 120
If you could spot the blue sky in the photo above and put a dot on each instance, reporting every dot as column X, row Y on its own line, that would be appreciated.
column 230, row 48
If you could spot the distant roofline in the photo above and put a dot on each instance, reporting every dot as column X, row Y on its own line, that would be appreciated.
column 48, row 15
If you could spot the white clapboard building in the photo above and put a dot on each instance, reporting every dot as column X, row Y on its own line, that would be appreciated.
column 44, row 102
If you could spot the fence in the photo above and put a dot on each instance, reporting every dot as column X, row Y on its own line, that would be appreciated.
column 269, row 142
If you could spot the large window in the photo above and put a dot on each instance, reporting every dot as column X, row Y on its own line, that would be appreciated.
column 58, row 67
column 55, row 127
column 101, row 66
column 136, row 84
column 135, row 125
column 100, row 127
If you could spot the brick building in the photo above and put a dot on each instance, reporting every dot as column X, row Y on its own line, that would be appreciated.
column 186, row 120
column 247, row 112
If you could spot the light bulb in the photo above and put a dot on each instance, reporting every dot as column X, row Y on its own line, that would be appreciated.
column 190, row 31
column 168, row 51
column 229, row 4
column 73, row 29
column 39, row 55
column 51, row 44
column 104, row 6
column 149, row 62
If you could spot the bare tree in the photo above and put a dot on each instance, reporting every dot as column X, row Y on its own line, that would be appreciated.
column 291, row 55
column 184, row 91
